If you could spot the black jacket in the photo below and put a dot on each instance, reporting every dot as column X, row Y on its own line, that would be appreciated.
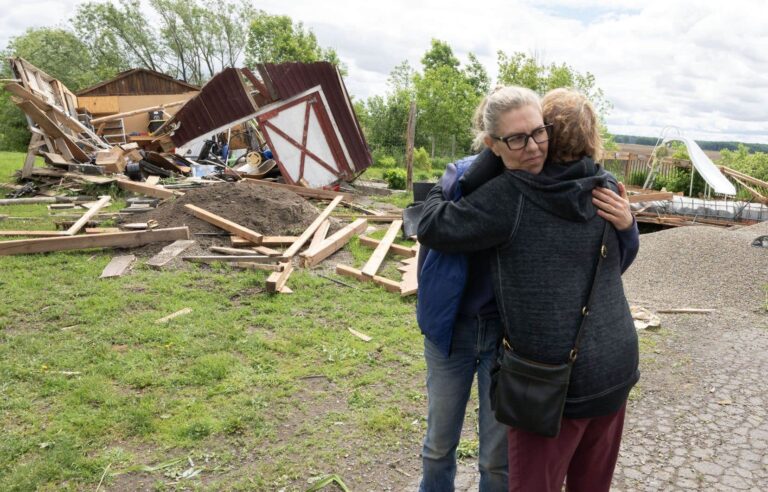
column 546, row 234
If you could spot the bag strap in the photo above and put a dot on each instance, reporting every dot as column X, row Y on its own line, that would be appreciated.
column 602, row 254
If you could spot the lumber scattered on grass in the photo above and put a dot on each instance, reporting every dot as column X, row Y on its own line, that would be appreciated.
column 119, row 240
column 118, row 266
column 225, row 224
column 296, row 246
column 394, row 248
column 265, row 241
column 145, row 189
column 82, row 221
column 181, row 312
column 348, row 271
column 229, row 258
column 374, row 262
column 276, row 281
column 167, row 254
column 686, row 311
column 333, row 243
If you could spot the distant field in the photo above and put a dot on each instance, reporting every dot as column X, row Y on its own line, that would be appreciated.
column 647, row 149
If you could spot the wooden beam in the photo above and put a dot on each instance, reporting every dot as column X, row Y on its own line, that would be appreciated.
column 394, row 248
column 374, row 262
column 32, row 151
column 300, row 190
column 335, row 242
column 276, row 281
column 319, row 236
column 168, row 253
column 651, row 197
column 296, row 246
column 65, row 143
column 145, row 189
column 389, row 285
column 103, row 202
column 118, row 266
column 225, row 224
column 117, row 116
column 33, row 233
column 230, row 258
column 119, row 239
column 371, row 218
column 265, row 241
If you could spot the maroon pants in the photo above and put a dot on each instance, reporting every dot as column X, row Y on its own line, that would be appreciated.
column 585, row 451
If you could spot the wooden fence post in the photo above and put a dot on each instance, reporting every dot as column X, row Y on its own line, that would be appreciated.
column 410, row 137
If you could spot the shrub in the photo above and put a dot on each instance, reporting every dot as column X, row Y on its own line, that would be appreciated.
column 395, row 179
column 421, row 159
column 637, row 178
column 680, row 180
column 386, row 161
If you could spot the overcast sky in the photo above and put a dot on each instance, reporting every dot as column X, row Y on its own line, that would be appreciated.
column 698, row 65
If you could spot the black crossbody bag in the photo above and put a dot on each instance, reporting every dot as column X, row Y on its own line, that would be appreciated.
column 530, row 395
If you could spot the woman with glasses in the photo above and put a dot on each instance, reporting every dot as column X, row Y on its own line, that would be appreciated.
column 536, row 228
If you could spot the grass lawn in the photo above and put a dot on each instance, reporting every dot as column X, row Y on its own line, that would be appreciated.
column 249, row 391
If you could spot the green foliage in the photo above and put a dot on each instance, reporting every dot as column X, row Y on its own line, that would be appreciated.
column 421, row 159
column 277, row 39
column 527, row 71
column 637, row 178
column 395, row 178
column 754, row 164
column 439, row 54
column 386, row 161
column 678, row 180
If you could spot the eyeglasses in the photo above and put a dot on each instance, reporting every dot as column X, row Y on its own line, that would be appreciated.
column 520, row 140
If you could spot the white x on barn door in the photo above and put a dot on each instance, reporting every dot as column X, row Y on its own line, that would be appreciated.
column 304, row 140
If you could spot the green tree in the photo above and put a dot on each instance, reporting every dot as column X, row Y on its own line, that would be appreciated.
column 119, row 35
column 276, row 39
column 439, row 54
column 754, row 164
column 477, row 75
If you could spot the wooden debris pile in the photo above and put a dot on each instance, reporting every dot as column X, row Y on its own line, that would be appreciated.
column 249, row 224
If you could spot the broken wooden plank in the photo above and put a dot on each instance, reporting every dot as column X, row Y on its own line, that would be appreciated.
column 389, row 285
column 394, row 248
column 101, row 230
column 167, row 254
column 265, row 241
column 409, row 285
column 32, row 233
column 361, row 336
column 230, row 258
column 257, row 266
column 133, row 112
column 320, row 234
column 152, row 180
column 300, row 190
column 181, row 312
column 231, row 251
column 145, row 189
column 371, row 218
column 377, row 258
column 335, row 242
column 276, row 281
column 103, row 202
column 225, row 224
column 686, row 311
column 296, row 246
column 118, row 266
column 651, row 197
column 119, row 240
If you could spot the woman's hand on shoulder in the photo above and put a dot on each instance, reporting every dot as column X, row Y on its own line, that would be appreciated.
column 613, row 207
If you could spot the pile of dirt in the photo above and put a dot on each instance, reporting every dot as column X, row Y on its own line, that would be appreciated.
column 268, row 211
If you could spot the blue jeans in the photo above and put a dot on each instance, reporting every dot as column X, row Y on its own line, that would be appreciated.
column 449, row 381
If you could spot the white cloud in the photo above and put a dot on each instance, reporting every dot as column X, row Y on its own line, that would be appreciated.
column 702, row 66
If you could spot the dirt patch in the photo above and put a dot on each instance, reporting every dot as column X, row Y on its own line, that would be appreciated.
column 268, row 211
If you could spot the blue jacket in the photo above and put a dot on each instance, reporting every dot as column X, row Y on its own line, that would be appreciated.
column 442, row 276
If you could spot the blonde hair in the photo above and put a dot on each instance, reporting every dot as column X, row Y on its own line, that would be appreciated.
column 575, row 126
column 498, row 102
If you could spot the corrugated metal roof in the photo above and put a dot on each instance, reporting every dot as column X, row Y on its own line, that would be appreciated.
column 222, row 100
column 285, row 80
